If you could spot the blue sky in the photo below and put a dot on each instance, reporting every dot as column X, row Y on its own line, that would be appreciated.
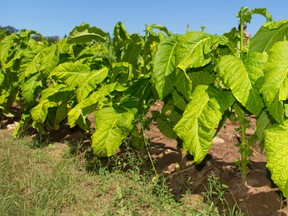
column 59, row 17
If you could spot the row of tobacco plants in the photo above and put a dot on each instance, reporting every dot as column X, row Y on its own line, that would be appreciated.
column 201, row 78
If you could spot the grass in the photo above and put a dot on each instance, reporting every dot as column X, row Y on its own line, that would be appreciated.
column 49, row 181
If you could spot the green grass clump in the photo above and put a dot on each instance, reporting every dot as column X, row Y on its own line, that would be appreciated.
column 40, row 182
column 50, row 181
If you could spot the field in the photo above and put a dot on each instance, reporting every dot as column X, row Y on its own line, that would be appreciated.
column 192, row 123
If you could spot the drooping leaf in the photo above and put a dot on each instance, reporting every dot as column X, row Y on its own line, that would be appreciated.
column 245, row 14
column 149, row 29
column 179, row 101
column 121, row 72
column 21, row 127
column 111, row 127
column 201, row 77
column 89, row 84
column 268, row 35
column 29, row 88
column 53, row 96
column 77, row 115
column 166, row 128
column 40, row 112
column 6, row 48
column 275, row 83
column 28, row 64
column 193, row 49
column 240, row 78
column 61, row 114
column 263, row 122
column 85, row 33
column 56, row 92
column 120, row 34
column 183, row 84
column 40, row 61
column 202, row 114
column 72, row 74
column 137, row 94
column 276, row 139
column 164, row 66
column 132, row 50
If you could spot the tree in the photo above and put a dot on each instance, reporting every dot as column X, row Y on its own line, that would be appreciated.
column 7, row 30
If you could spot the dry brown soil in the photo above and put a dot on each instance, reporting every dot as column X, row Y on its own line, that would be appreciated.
column 259, row 196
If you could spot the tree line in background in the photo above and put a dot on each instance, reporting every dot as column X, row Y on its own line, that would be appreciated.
column 8, row 30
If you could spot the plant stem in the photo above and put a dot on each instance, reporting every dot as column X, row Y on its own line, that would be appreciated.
column 243, row 143
column 241, row 39
column 243, row 148
column 146, row 145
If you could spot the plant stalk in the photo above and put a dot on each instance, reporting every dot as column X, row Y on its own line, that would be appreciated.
column 146, row 146
column 244, row 147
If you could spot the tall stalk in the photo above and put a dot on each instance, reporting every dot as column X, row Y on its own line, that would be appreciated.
column 244, row 146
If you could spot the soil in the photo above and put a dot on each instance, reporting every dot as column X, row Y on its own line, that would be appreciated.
column 259, row 196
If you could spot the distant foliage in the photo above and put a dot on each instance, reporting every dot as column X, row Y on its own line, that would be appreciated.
column 7, row 30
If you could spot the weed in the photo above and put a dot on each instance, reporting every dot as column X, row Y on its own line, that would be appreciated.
column 215, row 197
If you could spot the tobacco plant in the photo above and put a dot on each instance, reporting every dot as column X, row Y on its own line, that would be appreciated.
column 220, row 74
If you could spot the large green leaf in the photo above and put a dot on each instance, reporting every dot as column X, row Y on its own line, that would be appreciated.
column 276, row 145
column 14, row 46
column 164, row 66
column 40, row 112
column 111, row 127
column 77, row 115
column 137, row 94
column 179, row 101
column 274, row 89
column 202, row 115
column 29, row 88
column 40, row 60
column 79, row 75
column 120, row 34
column 201, row 77
column 121, row 72
column 193, row 49
column 72, row 74
column 61, row 114
column 85, row 33
column 54, row 96
column 7, row 47
column 183, row 84
column 131, row 51
column 241, row 78
column 268, row 35
column 90, row 83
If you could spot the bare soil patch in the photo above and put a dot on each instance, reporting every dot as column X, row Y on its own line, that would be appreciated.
column 260, row 196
